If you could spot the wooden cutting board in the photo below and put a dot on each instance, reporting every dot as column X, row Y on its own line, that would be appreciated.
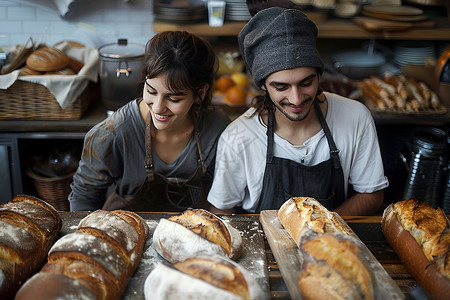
column 289, row 259
column 374, row 24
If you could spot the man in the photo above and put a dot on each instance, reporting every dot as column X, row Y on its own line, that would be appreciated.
column 297, row 141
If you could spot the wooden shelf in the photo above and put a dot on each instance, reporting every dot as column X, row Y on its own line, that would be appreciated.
column 330, row 29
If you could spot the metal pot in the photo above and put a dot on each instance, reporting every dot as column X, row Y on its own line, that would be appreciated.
column 120, row 71
column 358, row 64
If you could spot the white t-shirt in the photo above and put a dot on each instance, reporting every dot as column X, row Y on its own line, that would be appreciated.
column 242, row 147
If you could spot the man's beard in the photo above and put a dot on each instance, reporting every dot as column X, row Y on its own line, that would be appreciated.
column 294, row 117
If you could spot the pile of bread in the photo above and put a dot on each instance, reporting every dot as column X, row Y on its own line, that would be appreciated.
column 399, row 93
column 336, row 264
column 97, row 260
column 51, row 61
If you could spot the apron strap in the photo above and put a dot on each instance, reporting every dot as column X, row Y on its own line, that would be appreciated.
column 201, row 160
column 270, row 138
column 148, row 149
column 334, row 151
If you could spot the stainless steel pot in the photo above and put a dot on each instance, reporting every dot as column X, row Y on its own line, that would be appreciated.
column 120, row 71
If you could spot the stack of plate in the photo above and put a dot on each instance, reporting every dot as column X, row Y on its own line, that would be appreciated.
column 400, row 13
column 237, row 10
column 413, row 52
column 180, row 11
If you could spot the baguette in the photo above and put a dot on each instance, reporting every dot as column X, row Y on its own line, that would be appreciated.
column 299, row 214
column 196, row 232
column 334, row 268
column 47, row 59
column 202, row 277
column 420, row 236
column 94, row 262
column 28, row 228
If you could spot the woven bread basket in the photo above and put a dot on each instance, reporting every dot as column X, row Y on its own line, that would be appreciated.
column 53, row 190
column 31, row 101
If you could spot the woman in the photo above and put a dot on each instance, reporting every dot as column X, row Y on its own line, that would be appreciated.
column 157, row 152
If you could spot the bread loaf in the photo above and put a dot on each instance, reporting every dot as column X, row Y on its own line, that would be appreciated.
column 94, row 262
column 75, row 65
column 420, row 236
column 28, row 228
column 193, row 233
column 203, row 277
column 334, row 268
column 299, row 214
column 27, row 71
column 47, row 59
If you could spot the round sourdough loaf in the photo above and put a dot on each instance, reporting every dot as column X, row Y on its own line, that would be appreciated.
column 196, row 232
column 203, row 277
column 47, row 59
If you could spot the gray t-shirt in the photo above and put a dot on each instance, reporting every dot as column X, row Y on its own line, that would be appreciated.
column 114, row 153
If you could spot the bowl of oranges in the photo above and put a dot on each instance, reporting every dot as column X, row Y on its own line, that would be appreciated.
column 232, row 90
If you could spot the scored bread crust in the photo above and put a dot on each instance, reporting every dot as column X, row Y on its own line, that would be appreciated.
column 299, row 214
column 334, row 268
column 403, row 242
column 196, row 232
column 100, row 257
column 202, row 277
column 28, row 228
column 47, row 59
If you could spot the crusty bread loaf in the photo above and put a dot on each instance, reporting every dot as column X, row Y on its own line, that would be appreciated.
column 28, row 228
column 334, row 268
column 65, row 71
column 75, row 65
column 195, row 232
column 202, row 277
column 27, row 71
column 420, row 236
column 299, row 214
column 94, row 262
column 47, row 59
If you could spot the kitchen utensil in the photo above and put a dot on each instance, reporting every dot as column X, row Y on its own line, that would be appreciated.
column 357, row 64
column 120, row 72
column 426, row 166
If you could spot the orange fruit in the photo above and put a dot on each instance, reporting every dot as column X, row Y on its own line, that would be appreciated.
column 236, row 95
column 240, row 79
column 224, row 83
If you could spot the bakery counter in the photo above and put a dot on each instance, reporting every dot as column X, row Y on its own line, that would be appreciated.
column 258, row 256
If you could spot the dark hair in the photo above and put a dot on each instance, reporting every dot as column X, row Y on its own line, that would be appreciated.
column 188, row 61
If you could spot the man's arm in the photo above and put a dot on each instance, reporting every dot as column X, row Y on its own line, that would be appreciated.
column 361, row 204
column 215, row 210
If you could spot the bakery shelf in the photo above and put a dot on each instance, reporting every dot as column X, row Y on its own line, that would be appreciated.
column 332, row 28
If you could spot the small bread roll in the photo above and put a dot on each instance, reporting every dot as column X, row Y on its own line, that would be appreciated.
column 196, row 232
column 203, row 277
column 28, row 71
column 47, row 59
column 75, row 64
column 65, row 71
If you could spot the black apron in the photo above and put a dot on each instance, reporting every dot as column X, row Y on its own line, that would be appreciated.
column 159, row 193
column 284, row 178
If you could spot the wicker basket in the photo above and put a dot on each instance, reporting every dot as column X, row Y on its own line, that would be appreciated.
column 31, row 101
column 53, row 190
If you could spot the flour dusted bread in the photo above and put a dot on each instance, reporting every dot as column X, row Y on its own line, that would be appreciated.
column 202, row 277
column 334, row 268
column 94, row 262
column 420, row 235
column 299, row 214
column 193, row 233
column 47, row 59
column 28, row 228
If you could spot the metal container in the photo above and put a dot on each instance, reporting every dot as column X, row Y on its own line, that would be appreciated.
column 120, row 72
column 427, row 166
column 358, row 64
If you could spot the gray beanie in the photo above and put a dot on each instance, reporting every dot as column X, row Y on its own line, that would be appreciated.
column 278, row 39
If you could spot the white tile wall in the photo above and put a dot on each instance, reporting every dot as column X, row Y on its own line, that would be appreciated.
column 90, row 22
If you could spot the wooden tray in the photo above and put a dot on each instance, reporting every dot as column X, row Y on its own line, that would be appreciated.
column 253, row 258
column 289, row 259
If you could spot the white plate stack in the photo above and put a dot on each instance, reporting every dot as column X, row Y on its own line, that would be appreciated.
column 413, row 52
column 237, row 10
